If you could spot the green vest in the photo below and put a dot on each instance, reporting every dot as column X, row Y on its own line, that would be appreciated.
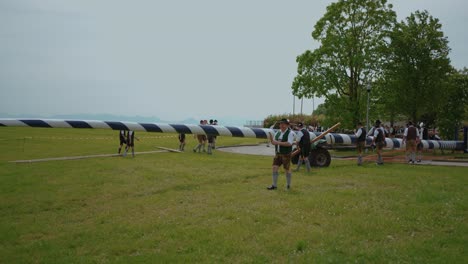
column 283, row 150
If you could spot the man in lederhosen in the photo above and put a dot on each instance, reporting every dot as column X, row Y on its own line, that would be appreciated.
column 303, row 142
column 123, row 140
column 201, row 140
column 283, row 141
column 410, row 137
column 130, row 142
column 211, row 139
column 379, row 141
column 181, row 141
column 215, row 123
column 360, row 142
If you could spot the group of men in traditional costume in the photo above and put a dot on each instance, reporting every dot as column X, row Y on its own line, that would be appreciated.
column 127, row 138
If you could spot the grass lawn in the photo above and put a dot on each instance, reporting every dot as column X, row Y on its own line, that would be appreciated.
column 190, row 207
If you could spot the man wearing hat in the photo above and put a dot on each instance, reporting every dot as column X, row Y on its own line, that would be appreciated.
column 360, row 141
column 283, row 141
column 303, row 142
column 379, row 141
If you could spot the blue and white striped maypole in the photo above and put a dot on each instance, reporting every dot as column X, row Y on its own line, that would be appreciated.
column 228, row 131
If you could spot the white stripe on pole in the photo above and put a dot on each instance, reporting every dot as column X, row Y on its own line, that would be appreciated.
column 196, row 129
column 134, row 126
column 58, row 123
column 223, row 131
column 248, row 132
column 13, row 122
column 98, row 124
column 166, row 128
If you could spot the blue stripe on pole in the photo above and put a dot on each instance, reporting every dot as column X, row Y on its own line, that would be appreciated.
column 431, row 144
column 78, row 124
column 209, row 130
column 181, row 128
column 35, row 123
column 259, row 133
column 151, row 127
column 338, row 139
column 235, row 131
column 116, row 125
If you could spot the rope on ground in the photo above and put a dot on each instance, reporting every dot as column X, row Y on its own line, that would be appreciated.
column 84, row 157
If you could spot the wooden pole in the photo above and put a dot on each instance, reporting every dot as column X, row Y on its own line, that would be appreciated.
column 317, row 138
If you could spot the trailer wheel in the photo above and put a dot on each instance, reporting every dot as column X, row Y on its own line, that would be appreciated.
column 320, row 157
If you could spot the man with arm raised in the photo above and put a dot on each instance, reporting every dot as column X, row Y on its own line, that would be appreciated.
column 283, row 141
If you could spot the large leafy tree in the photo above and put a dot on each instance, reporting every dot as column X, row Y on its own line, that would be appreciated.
column 353, row 36
column 418, row 67
column 454, row 109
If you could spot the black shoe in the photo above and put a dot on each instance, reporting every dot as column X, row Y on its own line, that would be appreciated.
column 287, row 187
column 271, row 188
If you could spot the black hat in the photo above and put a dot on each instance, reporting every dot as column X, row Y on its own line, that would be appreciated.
column 284, row 120
column 300, row 124
column 377, row 122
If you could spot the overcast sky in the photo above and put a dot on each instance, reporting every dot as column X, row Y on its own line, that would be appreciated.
column 170, row 59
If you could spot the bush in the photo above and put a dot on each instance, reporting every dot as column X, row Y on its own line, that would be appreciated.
column 307, row 120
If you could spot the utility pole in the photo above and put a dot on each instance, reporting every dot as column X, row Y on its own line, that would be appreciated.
column 313, row 104
column 302, row 101
column 294, row 104
column 368, row 88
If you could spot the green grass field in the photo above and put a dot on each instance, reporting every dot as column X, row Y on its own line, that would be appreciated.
column 190, row 207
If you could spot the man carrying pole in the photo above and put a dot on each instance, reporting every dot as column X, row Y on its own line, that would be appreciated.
column 303, row 142
column 123, row 139
column 130, row 142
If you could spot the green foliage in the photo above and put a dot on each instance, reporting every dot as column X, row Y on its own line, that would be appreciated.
column 307, row 120
column 406, row 64
column 454, row 109
column 418, row 67
column 329, row 114
column 353, row 36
